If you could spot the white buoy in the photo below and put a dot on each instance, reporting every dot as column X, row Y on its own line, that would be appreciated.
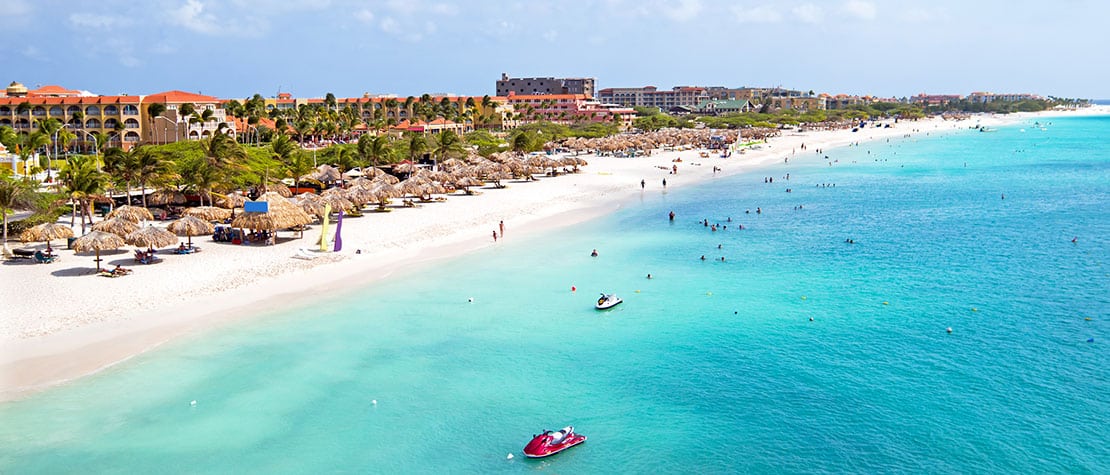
column 509, row 457
column 949, row 329
column 193, row 402
column 374, row 402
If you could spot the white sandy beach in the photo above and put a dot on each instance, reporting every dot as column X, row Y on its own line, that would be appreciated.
column 60, row 321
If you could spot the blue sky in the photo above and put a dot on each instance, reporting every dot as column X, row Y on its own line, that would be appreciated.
column 235, row 48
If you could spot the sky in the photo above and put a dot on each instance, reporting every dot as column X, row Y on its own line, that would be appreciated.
column 236, row 48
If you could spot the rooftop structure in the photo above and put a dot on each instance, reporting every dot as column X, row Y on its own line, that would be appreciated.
column 540, row 86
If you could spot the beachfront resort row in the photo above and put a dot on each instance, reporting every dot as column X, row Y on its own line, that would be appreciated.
column 106, row 219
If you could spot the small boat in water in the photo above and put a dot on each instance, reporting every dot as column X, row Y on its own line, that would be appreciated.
column 552, row 442
column 607, row 301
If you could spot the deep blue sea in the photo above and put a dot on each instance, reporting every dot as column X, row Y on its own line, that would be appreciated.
column 799, row 353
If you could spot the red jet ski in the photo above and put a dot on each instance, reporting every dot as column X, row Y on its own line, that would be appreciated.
column 553, row 442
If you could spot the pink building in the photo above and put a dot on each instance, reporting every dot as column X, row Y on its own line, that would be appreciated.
column 569, row 109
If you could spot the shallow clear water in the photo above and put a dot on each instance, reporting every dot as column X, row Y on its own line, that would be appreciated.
column 709, row 367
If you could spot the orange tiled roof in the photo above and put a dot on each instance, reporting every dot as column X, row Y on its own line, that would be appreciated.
column 44, row 101
column 52, row 90
column 532, row 97
column 180, row 96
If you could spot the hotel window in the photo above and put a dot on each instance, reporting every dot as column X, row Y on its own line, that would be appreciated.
column 92, row 110
column 56, row 111
column 111, row 110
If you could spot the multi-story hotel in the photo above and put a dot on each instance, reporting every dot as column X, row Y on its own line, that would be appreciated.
column 568, row 109
column 544, row 86
column 125, row 120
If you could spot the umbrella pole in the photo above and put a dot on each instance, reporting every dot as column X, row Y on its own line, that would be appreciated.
column 98, row 260
column 190, row 236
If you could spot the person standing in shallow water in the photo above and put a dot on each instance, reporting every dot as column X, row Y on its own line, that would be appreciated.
column 502, row 227
column 664, row 183
column 642, row 184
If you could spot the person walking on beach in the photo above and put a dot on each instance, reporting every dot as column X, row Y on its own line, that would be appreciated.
column 642, row 184
column 495, row 235
column 502, row 226
column 664, row 183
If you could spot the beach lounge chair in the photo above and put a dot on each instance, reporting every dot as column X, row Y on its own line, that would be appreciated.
column 20, row 254
column 43, row 258
column 142, row 257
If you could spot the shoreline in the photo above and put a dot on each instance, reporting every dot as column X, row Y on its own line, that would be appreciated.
column 189, row 295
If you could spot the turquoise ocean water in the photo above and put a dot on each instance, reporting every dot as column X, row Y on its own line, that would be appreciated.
column 709, row 367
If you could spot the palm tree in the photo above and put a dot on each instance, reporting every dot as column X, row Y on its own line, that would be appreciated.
column 417, row 145
column 375, row 148
column 448, row 143
column 24, row 108
column 199, row 175
column 65, row 137
column 298, row 165
column 148, row 166
column 117, row 166
column 49, row 127
column 223, row 152
column 36, row 140
column 154, row 110
column 184, row 113
column 82, row 183
column 8, row 137
column 408, row 106
column 283, row 147
column 102, row 139
column 15, row 193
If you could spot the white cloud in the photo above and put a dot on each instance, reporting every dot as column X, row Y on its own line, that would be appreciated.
column 808, row 12
column 861, row 9
column 389, row 25
column 195, row 15
column 364, row 15
column 191, row 15
column 686, row 10
column 34, row 53
column 758, row 14
column 443, row 9
column 14, row 8
column 92, row 20
column 403, row 7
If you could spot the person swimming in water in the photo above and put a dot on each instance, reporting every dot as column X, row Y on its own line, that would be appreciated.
column 594, row 253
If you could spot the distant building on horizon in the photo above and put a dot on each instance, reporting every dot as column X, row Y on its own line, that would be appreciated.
column 988, row 97
column 544, row 86
column 694, row 97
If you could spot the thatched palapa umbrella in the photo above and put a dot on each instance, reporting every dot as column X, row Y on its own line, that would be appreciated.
column 151, row 237
column 326, row 174
column 208, row 213
column 190, row 226
column 276, row 187
column 337, row 198
column 282, row 214
column 165, row 197
column 131, row 213
column 118, row 225
column 231, row 201
column 46, row 232
column 98, row 241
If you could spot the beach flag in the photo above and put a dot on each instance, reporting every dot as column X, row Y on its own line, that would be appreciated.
column 338, row 228
column 324, row 228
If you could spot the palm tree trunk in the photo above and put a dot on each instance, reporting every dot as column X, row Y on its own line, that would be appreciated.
column 73, row 214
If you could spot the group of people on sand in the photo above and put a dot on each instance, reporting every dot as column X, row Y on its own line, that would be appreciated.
column 501, row 226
